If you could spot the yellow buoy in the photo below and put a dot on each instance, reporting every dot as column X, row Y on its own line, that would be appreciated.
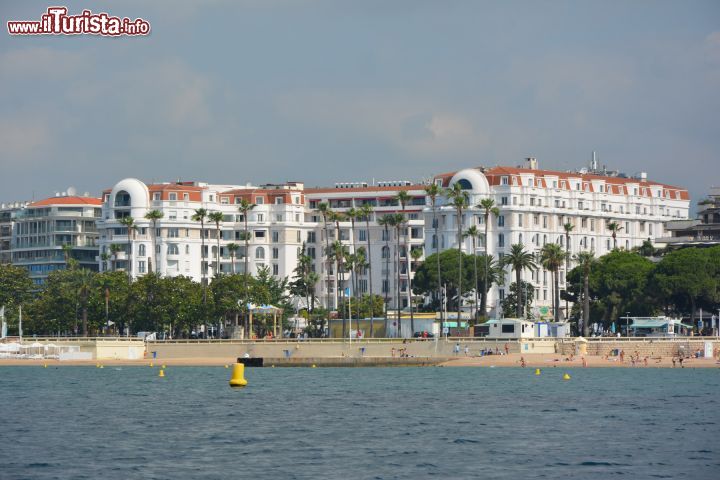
column 226, row 366
column 163, row 367
column 101, row 366
column 566, row 377
column 45, row 366
column 537, row 371
column 97, row 365
column 162, row 373
column 151, row 364
column 273, row 366
column 314, row 366
column 238, row 376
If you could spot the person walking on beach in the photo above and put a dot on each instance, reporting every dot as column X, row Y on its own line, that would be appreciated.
column 522, row 362
column 507, row 348
column 466, row 350
column 456, row 349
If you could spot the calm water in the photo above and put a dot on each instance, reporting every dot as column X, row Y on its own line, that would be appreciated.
column 383, row 423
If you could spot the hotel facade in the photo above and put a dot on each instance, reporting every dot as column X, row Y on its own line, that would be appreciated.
column 534, row 206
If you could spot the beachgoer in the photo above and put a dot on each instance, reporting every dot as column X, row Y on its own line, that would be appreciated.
column 522, row 362
column 507, row 348
column 681, row 362
column 622, row 356
column 467, row 350
column 673, row 360
column 392, row 352
column 584, row 362
column 645, row 361
column 456, row 349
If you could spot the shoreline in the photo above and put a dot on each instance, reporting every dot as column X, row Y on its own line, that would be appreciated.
column 512, row 360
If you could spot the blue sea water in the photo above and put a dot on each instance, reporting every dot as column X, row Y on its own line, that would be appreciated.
column 364, row 423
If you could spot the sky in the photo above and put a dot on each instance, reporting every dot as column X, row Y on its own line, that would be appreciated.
column 267, row 91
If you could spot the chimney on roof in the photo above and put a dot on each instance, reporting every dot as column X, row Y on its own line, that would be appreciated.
column 531, row 163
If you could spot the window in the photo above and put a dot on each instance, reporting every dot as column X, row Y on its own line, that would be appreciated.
column 501, row 222
column 311, row 237
column 279, row 201
column 532, row 201
column 172, row 214
column 276, row 253
column 173, row 196
column 173, row 249
column 156, row 196
column 141, row 250
column 186, row 196
column 503, row 201
column 278, row 217
column 298, row 236
column 276, row 269
column 536, row 220
column 545, row 222
column 259, row 233
column 385, row 235
column 173, row 232
column 501, row 240
column 362, row 236
column 259, row 253
column 311, row 252
column 580, row 205
column 504, row 180
column 259, row 200
column 507, row 327
column 187, row 249
column 260, row 217
column 385, row 285
column 225, row 200
column 141, row 266
column 276, row 237
column 386, row 252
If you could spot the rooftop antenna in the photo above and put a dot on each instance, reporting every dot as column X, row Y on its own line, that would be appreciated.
column 594, row 164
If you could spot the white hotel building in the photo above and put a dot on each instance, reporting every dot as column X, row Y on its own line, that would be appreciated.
column 534, row 205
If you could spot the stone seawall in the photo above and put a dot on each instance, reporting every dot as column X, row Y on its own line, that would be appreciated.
column 645, row 348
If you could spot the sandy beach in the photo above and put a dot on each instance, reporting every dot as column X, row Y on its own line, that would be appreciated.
column 558, row 361
column 511, row 360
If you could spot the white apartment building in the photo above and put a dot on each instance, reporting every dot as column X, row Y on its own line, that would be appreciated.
column 41, row 229
column 535, row 204
column 276, row 224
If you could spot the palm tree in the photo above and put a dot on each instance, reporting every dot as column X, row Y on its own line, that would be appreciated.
column 232, row 249
column 473, row 233
column 244, row 207
column 568, row 227
column 339, row 254
column 105, row 257
column 552, row 257
column 67, row 254
column 386, row 222
column 403, row 198
column 129, row 224
column 460, row 200
column 614, row 227
column 325, row 211
column 488, row 207
column 84, row 282
column 397, row 221
column 154, row 216
column 336, row 218
column 366, row 212
column 416, row 254
column 217, row 217
column 586, row 261
column 353, row 214
column 433, row 191
column 518, row 260
column 114, row 249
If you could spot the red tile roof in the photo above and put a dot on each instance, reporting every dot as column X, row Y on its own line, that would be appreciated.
column 67, row 201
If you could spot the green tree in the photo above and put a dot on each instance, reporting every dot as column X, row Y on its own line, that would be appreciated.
column 386, row 221
column 553, row 257
column 585, row 262
column 487, row 205
column 459, row 199
column 426, row 277
column 416, row 254
column 232, row 250
column 325, row 212
column 519, row 295
column 474, row 233
column 154, row 216
column 568, row 227
column 84, row 280
column 403, row 198
column 614, row 228
column 518, row 260
column 366, row 212
column 433, row 191
column 200, row 215
column 130, row 227
column 217, row 218
column 397, row 220
column 15, row 289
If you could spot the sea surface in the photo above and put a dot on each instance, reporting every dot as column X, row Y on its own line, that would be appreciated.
column 365, row 423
